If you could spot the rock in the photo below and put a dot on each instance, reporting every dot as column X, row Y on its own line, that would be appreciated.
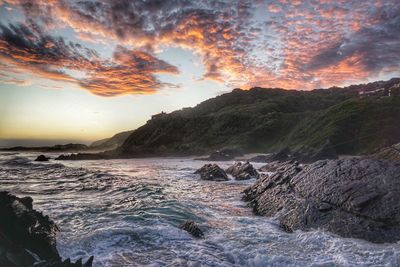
column 192, row 228
column 42, row 158
column 212, row 172
column 357, row 198
column 225, row 154
column 242, row 171
column 24, row 232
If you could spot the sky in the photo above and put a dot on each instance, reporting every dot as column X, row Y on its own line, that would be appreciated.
column 85, row 70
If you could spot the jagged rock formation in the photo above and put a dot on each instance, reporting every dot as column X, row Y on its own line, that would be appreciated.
column 27, row 237
column 192, row 228
column 242, row 171
column 212, row 172
column 357, row 198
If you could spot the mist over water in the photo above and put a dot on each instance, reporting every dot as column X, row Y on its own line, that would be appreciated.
column 128, row 212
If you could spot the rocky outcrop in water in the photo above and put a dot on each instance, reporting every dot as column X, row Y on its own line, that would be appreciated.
column 242, row 171
column 27, row 237
column 192, row 228
column 357, row 198
column 212, row 172
column 42, row 158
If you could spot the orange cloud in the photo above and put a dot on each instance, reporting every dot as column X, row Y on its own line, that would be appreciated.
column 128, row 72
column 309, row 44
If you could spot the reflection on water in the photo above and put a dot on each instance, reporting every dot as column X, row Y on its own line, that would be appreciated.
column 127, row 213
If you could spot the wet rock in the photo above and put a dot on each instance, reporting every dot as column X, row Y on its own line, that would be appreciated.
column 357, row 198
column 192, row 228
column 242, row 171
column 212, row 172
column 42, row 158
column 27, row 237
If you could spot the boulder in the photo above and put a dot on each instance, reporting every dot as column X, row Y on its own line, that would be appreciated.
column 42, row 158
column 242, row 171
column 192, row 228
column 24, row 232
column 212, row 172
column 357, row 198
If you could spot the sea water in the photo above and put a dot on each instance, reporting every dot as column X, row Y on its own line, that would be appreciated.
column 127, row 212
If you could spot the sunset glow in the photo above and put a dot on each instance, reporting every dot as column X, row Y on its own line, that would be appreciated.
column 86, row 61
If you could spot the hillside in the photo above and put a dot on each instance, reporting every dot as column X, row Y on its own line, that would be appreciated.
column 267, row 120
column 358, row 119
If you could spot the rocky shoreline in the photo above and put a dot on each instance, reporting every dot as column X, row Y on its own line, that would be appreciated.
column 357, row 198
column 27, row 237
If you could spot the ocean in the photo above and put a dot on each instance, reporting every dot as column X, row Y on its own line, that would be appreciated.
column 127, row 212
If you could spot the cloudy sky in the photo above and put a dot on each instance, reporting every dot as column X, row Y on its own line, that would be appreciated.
column 85, row 70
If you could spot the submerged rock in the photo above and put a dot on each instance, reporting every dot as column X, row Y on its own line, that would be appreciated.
column 27, row 237
column 42, row 158
column 242, row 171
column 357, row 198
column 212, row 172
column 192, row 228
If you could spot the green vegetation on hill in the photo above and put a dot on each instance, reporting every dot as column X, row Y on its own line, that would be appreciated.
column 267, row 120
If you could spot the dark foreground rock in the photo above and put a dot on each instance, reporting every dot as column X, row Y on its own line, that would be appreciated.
column 192, row 228
column 27, row 237
column 357, row 198
column 242, row 171
column 212, row 172
column 42, row 158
